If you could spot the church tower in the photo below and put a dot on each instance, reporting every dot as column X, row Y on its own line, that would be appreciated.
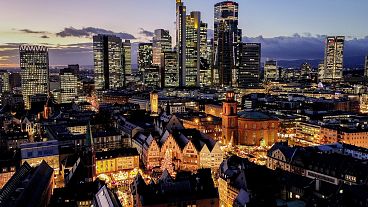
column 230, row 119
column 154, row 103
column 89, row 155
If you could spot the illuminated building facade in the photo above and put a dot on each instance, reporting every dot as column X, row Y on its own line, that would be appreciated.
column 230, row 119
column 334, row 59
column 271, row 71
column 116, row 160
column 108, row 62
column 205, row 77
column 4, row 84
column 151, row 76
column 193, row 46
column 308, row 132
column 257, row 129
column 226, row 37
column 145, row 56
column 249, row 64
column 154, row 103
column 35, row 153
column 181, row 12
column 4, row 81
column 162, row 43
column 34, row 64
column 68, row 85
column 169, row 70
column 127, row 46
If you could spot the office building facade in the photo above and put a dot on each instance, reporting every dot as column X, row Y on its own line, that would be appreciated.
column 181, row 40
column 334, row 59
column 169, row 70
column 68, row 85
column 162, row 43
column 145, row 56
column 108, row 62
column 271, row 71
column 226, row 38
column 34, row 64
column 127, row 57
column 193, row 46
column 249, row 64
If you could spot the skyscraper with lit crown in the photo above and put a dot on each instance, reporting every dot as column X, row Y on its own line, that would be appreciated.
column 193, row 47
column 226, row 38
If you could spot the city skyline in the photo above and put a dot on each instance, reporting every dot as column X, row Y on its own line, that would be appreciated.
column 68, row 32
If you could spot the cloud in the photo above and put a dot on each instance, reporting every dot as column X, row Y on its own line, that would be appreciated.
column 145, row 32
column 90, row 31
column 308, row 46
column 32, row 31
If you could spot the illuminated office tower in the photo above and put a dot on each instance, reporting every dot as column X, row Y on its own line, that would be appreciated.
column 108, row 61
column 249, row 64
column 34, row 64
column 151, row 76
column 68, row 85
column 127, row 49
column 145, row 56
column 226, row 38
column 271, row 71
column 205, row 57
column 169, row 70
column 181, row 40
column 334, row 56
column 366, row 67
column 193, row 46
column 161, row 43
column 4, row 81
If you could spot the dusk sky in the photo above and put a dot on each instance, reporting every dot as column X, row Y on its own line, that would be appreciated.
column 66, row 26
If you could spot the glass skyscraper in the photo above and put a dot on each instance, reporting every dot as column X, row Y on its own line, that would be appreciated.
column 127, row 46
column 162, row 43
column 226, row 38
column 334, row 59
column 249, row 64
column 192, row 48
column 108, row 62
column 34, row 64
column 181, row 40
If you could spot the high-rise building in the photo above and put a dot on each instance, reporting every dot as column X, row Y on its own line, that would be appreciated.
column 68, row 84
column 193, row 46
column 34, row 64
column 145, row 56
column 305, row 71
column 366, row 67
column 4, row 81
column 169, row 70
column 271, row 71
column 108, row 61
column 226, row 38
column 249, row 64
column 127, row 46
column 4, row 84
column 205, row 57
column 181, row 40
column 334, row 56
column 151, row 76
column 162, row 43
